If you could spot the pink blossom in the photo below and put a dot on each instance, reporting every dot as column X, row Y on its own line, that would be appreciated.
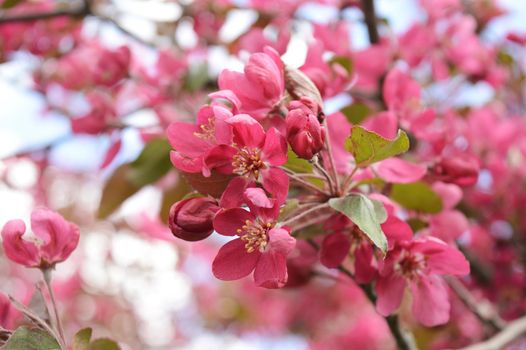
column 98, row 119
column 397, row 170
column 419, row 264
column 254, row 154
column 192, row 142
column 54, row 240
column 305, row 134
column 260, row 87
column 260, row 247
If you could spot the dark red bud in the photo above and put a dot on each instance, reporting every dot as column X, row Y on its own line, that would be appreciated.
column 191, row 219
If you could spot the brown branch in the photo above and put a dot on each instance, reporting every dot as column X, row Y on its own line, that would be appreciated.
column 79, row 11
column 483, row 310
column 370, row 20
column 510, row 333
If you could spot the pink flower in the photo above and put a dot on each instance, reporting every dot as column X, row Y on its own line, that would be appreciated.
column 254, row 154
column 112, row 66
column 55, row 239
column 98, row 118
column 458, row 170
column 191, row 219
column 419, row 264
column 191, row 142
column 397, row 170
column 260, row 247
column 348, row 240
column 304, row 131
column 261, row 87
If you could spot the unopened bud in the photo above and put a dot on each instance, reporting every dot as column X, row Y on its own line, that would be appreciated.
column 191, row 219
column 305, row 133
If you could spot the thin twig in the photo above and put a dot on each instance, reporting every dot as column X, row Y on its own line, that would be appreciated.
column 47, row 281
column 331, row 160
column 304, row 183
column 316, row 164
column 482, row 310
column 511, row 332
column 305, row 213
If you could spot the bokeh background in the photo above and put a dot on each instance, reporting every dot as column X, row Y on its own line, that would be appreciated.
column 129, row 278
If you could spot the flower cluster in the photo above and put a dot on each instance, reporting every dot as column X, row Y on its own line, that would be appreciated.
column 291, row 170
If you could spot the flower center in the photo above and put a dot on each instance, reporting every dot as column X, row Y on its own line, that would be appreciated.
column 206, row 131
column 255, row 235
column 247, row 162
column 411, row 265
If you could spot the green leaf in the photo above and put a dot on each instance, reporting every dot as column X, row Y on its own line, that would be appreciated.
column 82, row 339
column 290, row 206
column 196, row 78
column 117, row 189
column 104, row 344
column 366, row 213
column 343, row 61
column 297, row 164
column 25, row 338
column 356, row 113
column 368, row 147
column 152, row 164
column 417, row 196
column 7, row 4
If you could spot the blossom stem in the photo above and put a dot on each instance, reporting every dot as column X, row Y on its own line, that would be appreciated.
column 304, row 183
column 305, row 213
column 348, row 180
column 58, row 323
column 331, row 159
column 324, row 172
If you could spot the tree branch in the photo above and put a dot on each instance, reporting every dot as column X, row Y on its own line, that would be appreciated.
column 370, row 20
column 79, row 11
column 510, row 333
column 482, row 310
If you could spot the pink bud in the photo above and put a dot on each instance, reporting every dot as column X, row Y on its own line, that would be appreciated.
column 304, row 131
column 462, row 171
column 191, row 219
column 55, row 239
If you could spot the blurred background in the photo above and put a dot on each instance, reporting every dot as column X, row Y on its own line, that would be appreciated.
column 129, row 278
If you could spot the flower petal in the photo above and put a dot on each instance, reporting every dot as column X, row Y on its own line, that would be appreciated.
column 280, row 241
column 276, row 182
column 228, row 221
column 430, row 301
column 275, row 148
column 233, row 262
column 17, row 249
column 390, row 290
column 397, row 170
column 334, row 249
column 271, row 270
column 247, row 131
column 60, row 236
